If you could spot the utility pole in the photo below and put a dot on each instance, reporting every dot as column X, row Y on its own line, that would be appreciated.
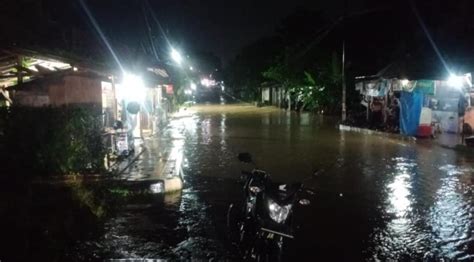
column 343, row 71
column 344, row 116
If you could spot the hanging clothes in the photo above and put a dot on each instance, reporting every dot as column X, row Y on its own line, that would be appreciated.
column 396, row 85
column 384, row 87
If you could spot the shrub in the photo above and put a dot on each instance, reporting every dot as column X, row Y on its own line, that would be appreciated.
column 53, row 141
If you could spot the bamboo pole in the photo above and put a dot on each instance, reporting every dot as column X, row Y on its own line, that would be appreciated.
column 114, row 94
column 20, row 73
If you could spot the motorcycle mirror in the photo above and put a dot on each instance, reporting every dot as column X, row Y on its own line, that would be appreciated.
column 304, row 202
column 245, row 157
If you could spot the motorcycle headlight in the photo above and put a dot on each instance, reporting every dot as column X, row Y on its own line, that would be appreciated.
column 278, row 213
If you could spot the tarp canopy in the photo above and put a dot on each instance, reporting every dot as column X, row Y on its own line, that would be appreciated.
column 410, row 111
column 381, row 87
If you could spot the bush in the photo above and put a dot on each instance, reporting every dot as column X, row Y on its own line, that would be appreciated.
column 53, row 141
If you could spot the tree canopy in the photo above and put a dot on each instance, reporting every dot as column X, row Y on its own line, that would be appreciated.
column 416, row 39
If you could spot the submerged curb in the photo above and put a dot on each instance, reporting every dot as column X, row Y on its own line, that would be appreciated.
column 130, row 162
column 378, row 133
column 458, row 147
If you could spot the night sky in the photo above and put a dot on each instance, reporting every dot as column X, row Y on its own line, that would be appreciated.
column 221, row 27
column 226, row 26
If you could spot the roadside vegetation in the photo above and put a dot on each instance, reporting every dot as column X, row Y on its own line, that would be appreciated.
column 38, row 142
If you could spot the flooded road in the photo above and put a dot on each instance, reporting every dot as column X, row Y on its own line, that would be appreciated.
column 377, row 199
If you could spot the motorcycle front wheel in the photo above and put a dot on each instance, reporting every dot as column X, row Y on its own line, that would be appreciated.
column 233, row 222
column 268, row 250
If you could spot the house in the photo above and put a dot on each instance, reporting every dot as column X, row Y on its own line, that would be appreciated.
column 37, row 79
column 272, row 94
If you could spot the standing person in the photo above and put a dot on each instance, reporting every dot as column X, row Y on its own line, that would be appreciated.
column 394, row 113
column 462, row 105
column 376, row 108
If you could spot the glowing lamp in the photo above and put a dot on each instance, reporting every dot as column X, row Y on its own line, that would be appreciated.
column 456, row 81
column 176, row 56
column 405, row 82
column 205, row 82
column 133, row 88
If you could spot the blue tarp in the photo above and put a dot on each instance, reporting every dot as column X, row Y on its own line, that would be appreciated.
column 410, row 111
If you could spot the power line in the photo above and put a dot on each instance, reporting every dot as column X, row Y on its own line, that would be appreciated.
column 99, row 31
column 428, row 35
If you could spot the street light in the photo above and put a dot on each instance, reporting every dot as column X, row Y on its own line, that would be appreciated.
column 208, row 82
column 456, row 81
column 205, row 82
column 176, row 56
column 132, row 88
column 405, row 82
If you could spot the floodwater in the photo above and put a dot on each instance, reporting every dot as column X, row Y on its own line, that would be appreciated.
column 377, row 198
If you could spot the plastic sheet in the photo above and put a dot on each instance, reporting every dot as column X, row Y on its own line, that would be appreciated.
column 410, row 111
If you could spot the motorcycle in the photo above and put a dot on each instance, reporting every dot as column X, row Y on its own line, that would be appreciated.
column 264, row 222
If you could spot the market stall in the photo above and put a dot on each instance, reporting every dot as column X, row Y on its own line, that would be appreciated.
column 418, row 107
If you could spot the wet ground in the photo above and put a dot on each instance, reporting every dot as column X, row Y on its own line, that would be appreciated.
column 378, row 198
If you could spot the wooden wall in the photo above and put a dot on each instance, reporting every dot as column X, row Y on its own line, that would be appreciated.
column 69, row 90
column 75, row 90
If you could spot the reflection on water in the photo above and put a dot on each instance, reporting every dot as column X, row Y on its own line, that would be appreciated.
column 399, row 234
column 400, row 192
column 451, row 217
column 222, row 133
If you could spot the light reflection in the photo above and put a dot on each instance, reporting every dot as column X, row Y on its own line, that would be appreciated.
column 450, row 217
column 399, row 233
column 398, row 198
column 223, row 136
column 176, row 156
column 266, row 119
column 305, row 119
column 342, row 146
column 186, row 123
column 190, row 124
column 172, row 199
column 206, row 131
